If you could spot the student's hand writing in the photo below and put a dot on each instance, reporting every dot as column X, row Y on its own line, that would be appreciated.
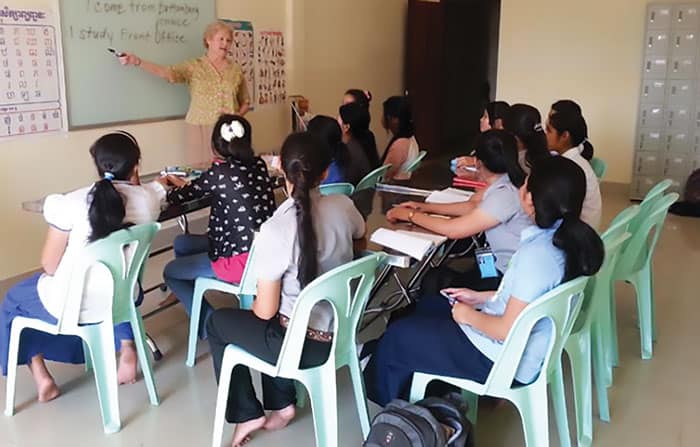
column 399, row 214
column 465, row 161
column 468, row 296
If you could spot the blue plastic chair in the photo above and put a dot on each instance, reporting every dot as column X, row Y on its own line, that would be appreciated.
column 348, row 301
column 561, row 306
column 599, row 167
column 126, row 267
column 245, row 291
column 371, row 179
column 337, row 188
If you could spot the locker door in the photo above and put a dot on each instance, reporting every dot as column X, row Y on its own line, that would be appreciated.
column 659, row 17
column 657, row 42
column 678, row 142
column 678, row 117
column 648, row 163
column 695, row 144
column 655, row 67
column 684, row 43
column 641, row 186
column 685, row 17
column 682, row 67
column 651, row 140
column 651, row 115
column 677, row 167
column 654, row 90
column 679, row 91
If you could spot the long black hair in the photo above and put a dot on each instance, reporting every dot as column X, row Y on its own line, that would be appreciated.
column 558, row 188
column 398, row 108
column 356, row 116
column 232, row 138
column 525, row 122
column 115, row 156
column 566, row 116
column 304, row 159
column 497, row 110
column 328, row 130
column 498, row 151
column 362, row 97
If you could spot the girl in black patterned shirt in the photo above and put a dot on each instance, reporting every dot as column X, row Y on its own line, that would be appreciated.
column 242, row 199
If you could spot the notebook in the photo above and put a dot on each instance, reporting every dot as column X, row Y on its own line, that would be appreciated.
column 449, row 195
column 412, row 243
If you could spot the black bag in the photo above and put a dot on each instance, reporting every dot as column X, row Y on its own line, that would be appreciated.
column 431, row 422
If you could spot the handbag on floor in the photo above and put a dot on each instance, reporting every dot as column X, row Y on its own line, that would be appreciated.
column 431, row 422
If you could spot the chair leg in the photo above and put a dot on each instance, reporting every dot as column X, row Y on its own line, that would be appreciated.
column 653, row 305
column 144, row 360
column 322, row 389
column 532, row 407
column 472, row 405
column 227, row 365
column 193, row 337
column 642, row 284
column 419, row 384
column 613, row 351
column 559, row 404
column 100, row 339
column 86, row 355
column 301, row 394
column 358, row 386
column 579, row 350
column 600, row 369
column 15, row 334
column 246, row 301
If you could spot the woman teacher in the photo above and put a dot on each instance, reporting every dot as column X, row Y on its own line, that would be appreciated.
column 217, row 86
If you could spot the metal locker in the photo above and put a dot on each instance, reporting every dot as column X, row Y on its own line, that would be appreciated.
column 685, row 17
column 654, row 90
column 655, row 67
column 659, row 17
column 682, row 67
column 642, row 184
column 651, row 140
column 695, row 144
column 678, row 116
column 657, row 42
column 676, row 167
column 678, row 142
column 679, row 91
column 684, row 43
column 648, row 163
column 651, row 115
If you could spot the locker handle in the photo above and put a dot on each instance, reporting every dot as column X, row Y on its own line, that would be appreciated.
column 648, row 65
column 653, row 16
column 678, row 41
column 675, row 66
column 646, row 90
column 680, row 16
column 673, row 90
column 651, row 42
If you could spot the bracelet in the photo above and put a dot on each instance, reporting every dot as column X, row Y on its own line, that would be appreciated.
column 410, row 215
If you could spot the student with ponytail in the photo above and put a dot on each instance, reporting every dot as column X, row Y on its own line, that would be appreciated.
column 346, row 167
column 403, row 147
column 567, row 134
column 498, row 214
column 354, row 121
column 525, row 122
column 242, row 199
column 494, row 116
column 308, row 235
column 115, row 201
column 461, row 341
column 361, row 97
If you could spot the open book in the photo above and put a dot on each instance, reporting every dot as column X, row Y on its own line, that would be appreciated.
column 412, row 243
column 449, row 195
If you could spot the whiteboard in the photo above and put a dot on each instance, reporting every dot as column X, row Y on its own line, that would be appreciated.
column 99, row 89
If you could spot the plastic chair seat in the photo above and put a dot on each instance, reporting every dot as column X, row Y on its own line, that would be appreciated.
column 346, row 189
column 371, row 179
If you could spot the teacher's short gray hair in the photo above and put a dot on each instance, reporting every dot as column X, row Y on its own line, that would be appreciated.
column 214, row 28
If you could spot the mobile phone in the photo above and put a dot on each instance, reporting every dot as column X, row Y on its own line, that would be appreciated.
column 450, row 299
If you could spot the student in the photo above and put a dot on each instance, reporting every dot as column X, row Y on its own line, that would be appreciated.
column 362, row 97
column 493, row 116
column 497, row 113
column 566, row 135
column 403, row 147
column 498, row 214
column 461, row 341
column 346, row 167
column 308, row 235
column 354, row 121
column 525, row 122
column 570, row 107
column 242, row 199
column 75, row 219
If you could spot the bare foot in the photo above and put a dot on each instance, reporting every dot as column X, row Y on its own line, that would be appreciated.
column 168, row 301
column 243, row 431
column 126, row 373
column 279, row 419
column 45, row 385
column 48, row 391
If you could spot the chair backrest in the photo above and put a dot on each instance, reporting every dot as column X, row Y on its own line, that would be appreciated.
column 123, row 253
column 595, row 295
column 337, row 188
column 561, row 306
column 647, row 204
column 412, row 166
column 641, row 245
column 371, row 179
column 249, row 283
column 621, row 222
column 599, row 167
column 347, row 289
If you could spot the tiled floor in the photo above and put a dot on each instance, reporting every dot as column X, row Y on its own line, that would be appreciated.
column 653, row 403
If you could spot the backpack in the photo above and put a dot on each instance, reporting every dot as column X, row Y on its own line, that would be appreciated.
column 431, row 422
column 692, row 188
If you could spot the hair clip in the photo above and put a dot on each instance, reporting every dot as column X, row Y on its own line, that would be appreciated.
column 232, row 130
column 108, row 176
column 538, row 127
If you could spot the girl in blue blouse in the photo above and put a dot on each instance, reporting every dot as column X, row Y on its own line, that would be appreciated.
column 461, row 341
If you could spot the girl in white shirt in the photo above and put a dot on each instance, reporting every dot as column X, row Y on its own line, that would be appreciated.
column 76, row 219
column 403, row 147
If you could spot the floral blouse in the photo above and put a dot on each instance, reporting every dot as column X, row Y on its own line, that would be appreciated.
column 242, row 200
column 211, row 93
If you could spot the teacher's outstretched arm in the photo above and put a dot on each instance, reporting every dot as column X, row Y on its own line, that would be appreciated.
column 150, row 67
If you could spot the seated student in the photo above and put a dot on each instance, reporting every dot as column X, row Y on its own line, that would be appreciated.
column 362, row 97
column 498, row 214
column 75, row 219
column 242, row 199
column 308, row 235
column 566, row 134
column 525, row 122
column 354, row 121
column 493, row 116
column 403, row 147
column 346, row 167
column 571, row 107
column 461, row 341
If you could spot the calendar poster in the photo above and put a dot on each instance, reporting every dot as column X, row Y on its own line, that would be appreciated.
column 271, row 68
column 243, row 49
column 32, row 92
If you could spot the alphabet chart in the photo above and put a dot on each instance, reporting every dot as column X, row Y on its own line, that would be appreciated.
column 32, row 92
column 271, row 70
column 243, row 49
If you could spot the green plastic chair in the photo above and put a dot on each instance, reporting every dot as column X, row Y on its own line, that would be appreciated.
column 650, row 199
column 412, row 166
column 99, row 337
column 245, row 291
column 586, row 344
column 348, row 302
column 337, row 188
column 634, row 266
column 371, row 179
column 561, row 305
column 599, row 167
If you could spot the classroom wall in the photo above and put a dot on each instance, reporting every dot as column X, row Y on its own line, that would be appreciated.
column 590, row 51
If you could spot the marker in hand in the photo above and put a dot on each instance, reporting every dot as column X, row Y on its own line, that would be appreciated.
column 116, row 53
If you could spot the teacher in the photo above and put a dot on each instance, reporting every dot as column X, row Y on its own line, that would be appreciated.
column 217, row 86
